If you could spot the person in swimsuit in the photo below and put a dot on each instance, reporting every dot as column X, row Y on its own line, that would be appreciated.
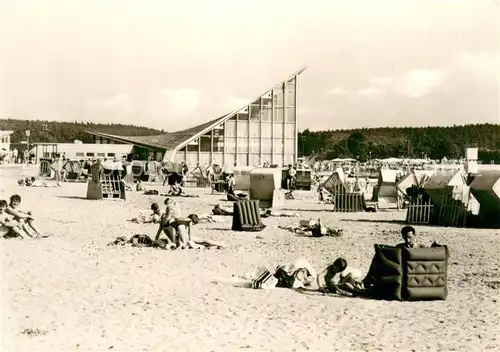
column 10, row 228
column 25, row 218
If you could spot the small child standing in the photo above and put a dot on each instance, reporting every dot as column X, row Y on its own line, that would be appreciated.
column 24, row 218
column 9, row 228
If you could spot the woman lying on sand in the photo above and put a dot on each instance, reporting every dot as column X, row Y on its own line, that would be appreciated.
column 336, row 278
column 187, row 240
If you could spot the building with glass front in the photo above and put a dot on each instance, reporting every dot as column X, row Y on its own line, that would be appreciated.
column 263, row 131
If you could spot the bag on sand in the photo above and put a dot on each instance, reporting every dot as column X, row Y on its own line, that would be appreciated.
column 264, row 279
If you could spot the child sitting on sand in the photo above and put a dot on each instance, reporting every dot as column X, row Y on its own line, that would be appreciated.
column 339, row 278
column 25, row 218
column 9, row 228
column 154, row 218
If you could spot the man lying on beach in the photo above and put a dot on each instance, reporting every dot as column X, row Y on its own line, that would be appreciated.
column 10, row 228
column 25, row 218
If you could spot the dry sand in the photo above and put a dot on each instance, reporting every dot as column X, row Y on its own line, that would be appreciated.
column 72, row 292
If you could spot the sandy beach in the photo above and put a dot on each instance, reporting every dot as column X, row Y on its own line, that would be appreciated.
column 72, row 292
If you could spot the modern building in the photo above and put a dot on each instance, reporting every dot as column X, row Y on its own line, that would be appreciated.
column 262, row 131
column 81, row 151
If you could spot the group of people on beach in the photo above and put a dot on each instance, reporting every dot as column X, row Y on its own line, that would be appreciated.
column 16, row 223
column 175, row 231
column 337, row 278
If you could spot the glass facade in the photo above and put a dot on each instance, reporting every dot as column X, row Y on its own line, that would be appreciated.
column 265, row 131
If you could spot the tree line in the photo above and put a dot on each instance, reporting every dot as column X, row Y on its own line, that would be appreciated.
column 362, row 144
column 412, row 142
column 68, row 132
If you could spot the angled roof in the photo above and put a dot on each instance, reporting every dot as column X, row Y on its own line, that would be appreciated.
column 179, row 139
column 166, row 141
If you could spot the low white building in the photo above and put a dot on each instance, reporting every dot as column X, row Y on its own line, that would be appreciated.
column 81, row 151
column 5, row 141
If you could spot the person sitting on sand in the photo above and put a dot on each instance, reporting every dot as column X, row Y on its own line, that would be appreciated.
column 409, row 237
column 25, row 218
column 175, row 189
column 340, row 278
column 10, row 228
column 185, row 237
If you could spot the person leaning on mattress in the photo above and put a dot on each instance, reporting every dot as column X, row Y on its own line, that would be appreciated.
column 409, row 237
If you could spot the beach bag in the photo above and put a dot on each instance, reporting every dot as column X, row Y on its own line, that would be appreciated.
column 141, row 240
column 264, row 279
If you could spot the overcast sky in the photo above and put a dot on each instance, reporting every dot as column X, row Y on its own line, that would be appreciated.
column 173, row 64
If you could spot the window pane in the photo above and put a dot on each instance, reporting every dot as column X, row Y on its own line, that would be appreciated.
column 242, row 129
column 254, row 160
column 242, row 159
column 254, row 129
column 217, row 158
column 266, row 145
column 192, row 159
column 267, row 130
column 278, row 146
column 290, row 114
column 90, row 154
column 291, row 83
column 278, row 130
column 193, row 146
column 267, row 114
column 254, row 145
column 278, row 115
column 218, row 143
column 204, row 159
column 230, row 145
column 277, row 159
column 289, row 159
column 101, row 154
column 255, row 113
column 109, row 154
column 219, row 130
column 205, row 144
column 266, row 158
column 289, row 146
column 290, row 98
column 77, row 154
column 289, row 130
column 278, row 97
column 242, row 145
column 267, row 102
column 230, row 128
column 229, row 159
column 243, row 117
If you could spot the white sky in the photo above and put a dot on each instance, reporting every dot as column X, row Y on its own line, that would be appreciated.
column 173, row 64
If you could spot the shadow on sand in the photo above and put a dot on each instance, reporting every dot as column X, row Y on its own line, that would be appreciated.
column 75, row 197
column 398, row 222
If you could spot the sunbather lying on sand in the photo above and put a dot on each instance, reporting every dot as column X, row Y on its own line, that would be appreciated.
column 10, row 228
column 336, row 278
column 315, row 228
column 25, row 218
column 185, row 237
